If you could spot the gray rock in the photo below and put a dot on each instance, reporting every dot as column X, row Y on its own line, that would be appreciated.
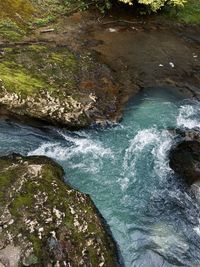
column 49, row 223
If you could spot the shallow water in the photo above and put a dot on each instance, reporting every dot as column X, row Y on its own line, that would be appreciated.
column 153, row 217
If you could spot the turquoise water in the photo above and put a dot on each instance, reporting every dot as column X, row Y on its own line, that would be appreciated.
column 153, row 217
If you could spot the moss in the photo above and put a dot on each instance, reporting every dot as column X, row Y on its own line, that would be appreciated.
column 37, row 245
column 40, row 22
column 14, row 15
column 39, row 195
column 26, row 15
column 21, row 202
column 29, row 69
column 5, row 181
column 37, row 48
column 16, row 79
column 10, row 30
column 16, row 10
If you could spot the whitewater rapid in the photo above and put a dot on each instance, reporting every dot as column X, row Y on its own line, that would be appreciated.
column 153, row 217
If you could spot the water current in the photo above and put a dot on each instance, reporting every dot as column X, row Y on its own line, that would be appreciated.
column 153, row 217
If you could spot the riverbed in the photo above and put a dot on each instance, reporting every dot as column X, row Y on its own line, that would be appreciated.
column 153, row 216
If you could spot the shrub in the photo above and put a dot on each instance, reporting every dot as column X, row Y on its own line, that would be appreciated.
column 152, row 5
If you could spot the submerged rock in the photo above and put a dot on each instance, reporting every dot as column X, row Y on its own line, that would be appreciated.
column 185, row 159
column 44, row 222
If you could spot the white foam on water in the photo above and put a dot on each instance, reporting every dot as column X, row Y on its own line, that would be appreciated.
column 167, row 239
column 187, row 117
column 87, row 153
column 83, row 144
column 161, row 163
column 142, row 139
column 160, row 142
column 137, row 144
column 52, row 150
column 197, row 229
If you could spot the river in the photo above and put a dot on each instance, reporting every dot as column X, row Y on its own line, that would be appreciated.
column 153, row 217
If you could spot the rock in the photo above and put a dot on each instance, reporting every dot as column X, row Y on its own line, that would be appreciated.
column 45, row 222
column 52, row 78
column 185, row 160
column 185, row 134
column 53, row 84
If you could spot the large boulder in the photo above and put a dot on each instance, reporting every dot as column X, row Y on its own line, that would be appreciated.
column 47, row 73
column 44, row 222
column 56, row 85
column 185, row 158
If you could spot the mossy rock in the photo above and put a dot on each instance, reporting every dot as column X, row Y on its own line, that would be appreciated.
column 51, row 83
column 44, row 222
column 18, row 18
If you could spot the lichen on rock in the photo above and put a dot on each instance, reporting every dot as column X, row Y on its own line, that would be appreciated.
column 44, row 222
column 54, row 84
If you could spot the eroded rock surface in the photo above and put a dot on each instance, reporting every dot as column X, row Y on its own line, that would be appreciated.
column 46, row 73
column 185, row 159
column 81, row 69
column 43, row 222
column 53, row 84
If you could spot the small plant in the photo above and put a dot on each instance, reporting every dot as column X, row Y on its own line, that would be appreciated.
column 10, row 30
column 151, row 5
column 40, row 22
column 103, row 5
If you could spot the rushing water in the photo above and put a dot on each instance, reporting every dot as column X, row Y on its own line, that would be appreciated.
column 153, row 217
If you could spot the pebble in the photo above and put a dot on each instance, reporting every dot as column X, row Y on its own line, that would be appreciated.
column 112, row 30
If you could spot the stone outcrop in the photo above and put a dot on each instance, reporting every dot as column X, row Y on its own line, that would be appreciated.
column 185, row 155
column 44, row 222
column 54, row 85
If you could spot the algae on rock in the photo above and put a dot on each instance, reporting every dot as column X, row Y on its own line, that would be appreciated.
column 55, row 85
column 44, row 222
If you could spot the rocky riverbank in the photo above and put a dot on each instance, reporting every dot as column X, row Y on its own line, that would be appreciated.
column 185, row 155
column 44, row 222
column 81, row 69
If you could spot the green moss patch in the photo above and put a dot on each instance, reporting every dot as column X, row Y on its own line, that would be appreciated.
column 18, row 18
column 16, row 79
column 10, row 30
column 48, row 221
column 28, row 70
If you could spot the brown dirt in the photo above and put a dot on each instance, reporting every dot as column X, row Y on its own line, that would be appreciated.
column 141, row 53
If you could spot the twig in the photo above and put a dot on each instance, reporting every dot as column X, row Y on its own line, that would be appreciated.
column 121, row 20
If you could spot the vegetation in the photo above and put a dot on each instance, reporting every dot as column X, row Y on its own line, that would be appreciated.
column 149, row 5
column 19, row 17
column 155, row 5
column 190, row 13
column 46, row 215
column 187, row 11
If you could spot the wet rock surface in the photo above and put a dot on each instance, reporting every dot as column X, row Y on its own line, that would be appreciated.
column 83, row 68
column 44, row 222
column 47, row 74
column 150, row 53
column 54, row 84
column 185, row 157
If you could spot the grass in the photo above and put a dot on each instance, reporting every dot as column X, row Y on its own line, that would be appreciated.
column 189, row 14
